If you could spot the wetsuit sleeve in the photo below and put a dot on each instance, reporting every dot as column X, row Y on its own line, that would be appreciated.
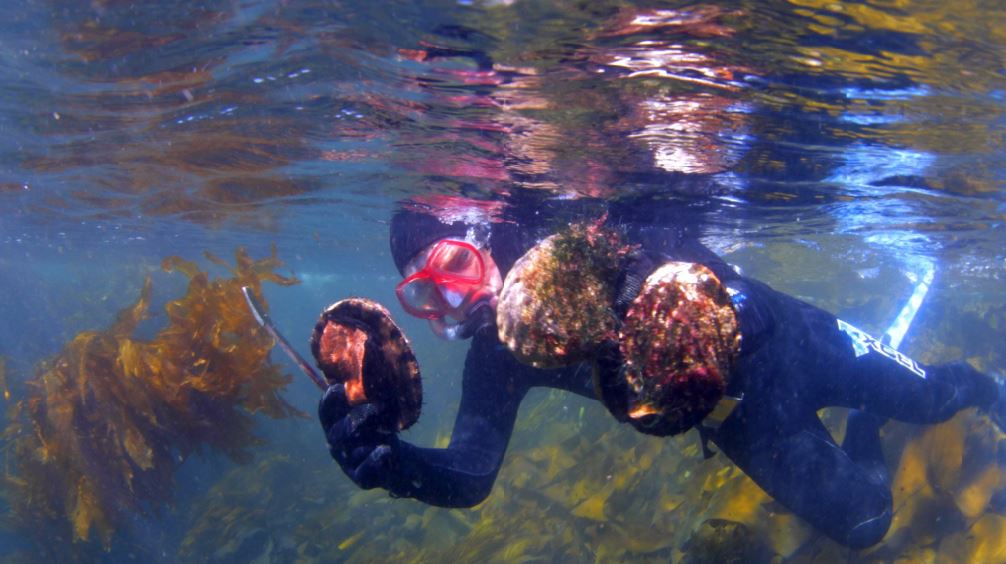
column 462, row 474
column 493, row 385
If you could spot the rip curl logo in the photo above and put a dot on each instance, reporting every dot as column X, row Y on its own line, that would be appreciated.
column 863, row 343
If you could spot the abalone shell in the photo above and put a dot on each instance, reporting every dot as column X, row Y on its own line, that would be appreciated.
column 358, row 344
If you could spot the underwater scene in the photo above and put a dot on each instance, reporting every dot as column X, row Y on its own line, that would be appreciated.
column 160, row 161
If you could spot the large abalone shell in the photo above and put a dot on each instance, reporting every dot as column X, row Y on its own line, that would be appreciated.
column 357, row 343
column 678, row 344
column 555, row 308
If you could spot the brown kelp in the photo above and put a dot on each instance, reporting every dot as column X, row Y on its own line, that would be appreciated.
column 106, row 423
column 576, row 486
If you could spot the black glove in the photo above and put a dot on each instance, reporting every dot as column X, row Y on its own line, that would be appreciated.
column 358, row 437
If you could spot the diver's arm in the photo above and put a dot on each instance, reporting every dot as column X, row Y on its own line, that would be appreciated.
column 494, row 384
column 460, row 475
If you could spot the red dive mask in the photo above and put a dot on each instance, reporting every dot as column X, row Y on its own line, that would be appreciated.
column 453, row 275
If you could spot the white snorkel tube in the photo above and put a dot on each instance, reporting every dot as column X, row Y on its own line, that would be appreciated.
column 923, row 279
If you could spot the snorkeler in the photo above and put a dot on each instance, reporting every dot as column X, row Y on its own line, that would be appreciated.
column 669, row 337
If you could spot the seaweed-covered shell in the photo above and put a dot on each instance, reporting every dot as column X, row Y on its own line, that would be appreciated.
column 356, row 343
column 555, row 306
column 678, row 343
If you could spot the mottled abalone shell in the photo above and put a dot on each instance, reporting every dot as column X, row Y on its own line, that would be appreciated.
column 357, row 343
column 555, row 306
column 678, row 342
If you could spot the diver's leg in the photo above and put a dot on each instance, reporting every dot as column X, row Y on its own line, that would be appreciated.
column 843, row 365
column 920, row 394
column 862, row 443
column 798, row 463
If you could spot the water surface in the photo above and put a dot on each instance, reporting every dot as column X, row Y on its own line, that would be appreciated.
column 835, row 150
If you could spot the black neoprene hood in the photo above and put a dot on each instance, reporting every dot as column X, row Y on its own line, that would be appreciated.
column 412, row 231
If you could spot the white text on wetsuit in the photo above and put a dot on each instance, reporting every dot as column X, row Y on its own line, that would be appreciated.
column 863, row 343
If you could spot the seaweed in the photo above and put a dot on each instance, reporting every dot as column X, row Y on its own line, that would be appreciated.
column 574, row 487
column 106, row 424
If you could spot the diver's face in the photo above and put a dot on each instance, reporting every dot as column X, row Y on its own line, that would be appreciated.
column 454, row 285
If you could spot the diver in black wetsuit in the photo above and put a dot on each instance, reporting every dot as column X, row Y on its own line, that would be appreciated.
column 793, row 360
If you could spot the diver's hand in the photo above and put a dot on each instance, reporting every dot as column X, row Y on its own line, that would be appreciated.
column 357, row 437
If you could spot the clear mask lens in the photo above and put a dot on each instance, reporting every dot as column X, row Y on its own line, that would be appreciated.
column 420, row 294
column 458, row 262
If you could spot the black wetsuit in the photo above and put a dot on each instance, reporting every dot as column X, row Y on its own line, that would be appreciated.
column 795, row 359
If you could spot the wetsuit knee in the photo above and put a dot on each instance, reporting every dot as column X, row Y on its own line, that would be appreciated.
column 874, row 523
column 975, row 388
column 852, row 503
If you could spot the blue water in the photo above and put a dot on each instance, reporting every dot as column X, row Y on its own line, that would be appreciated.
column 837, row 149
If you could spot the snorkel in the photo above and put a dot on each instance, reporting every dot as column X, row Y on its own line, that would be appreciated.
column 481, row 314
